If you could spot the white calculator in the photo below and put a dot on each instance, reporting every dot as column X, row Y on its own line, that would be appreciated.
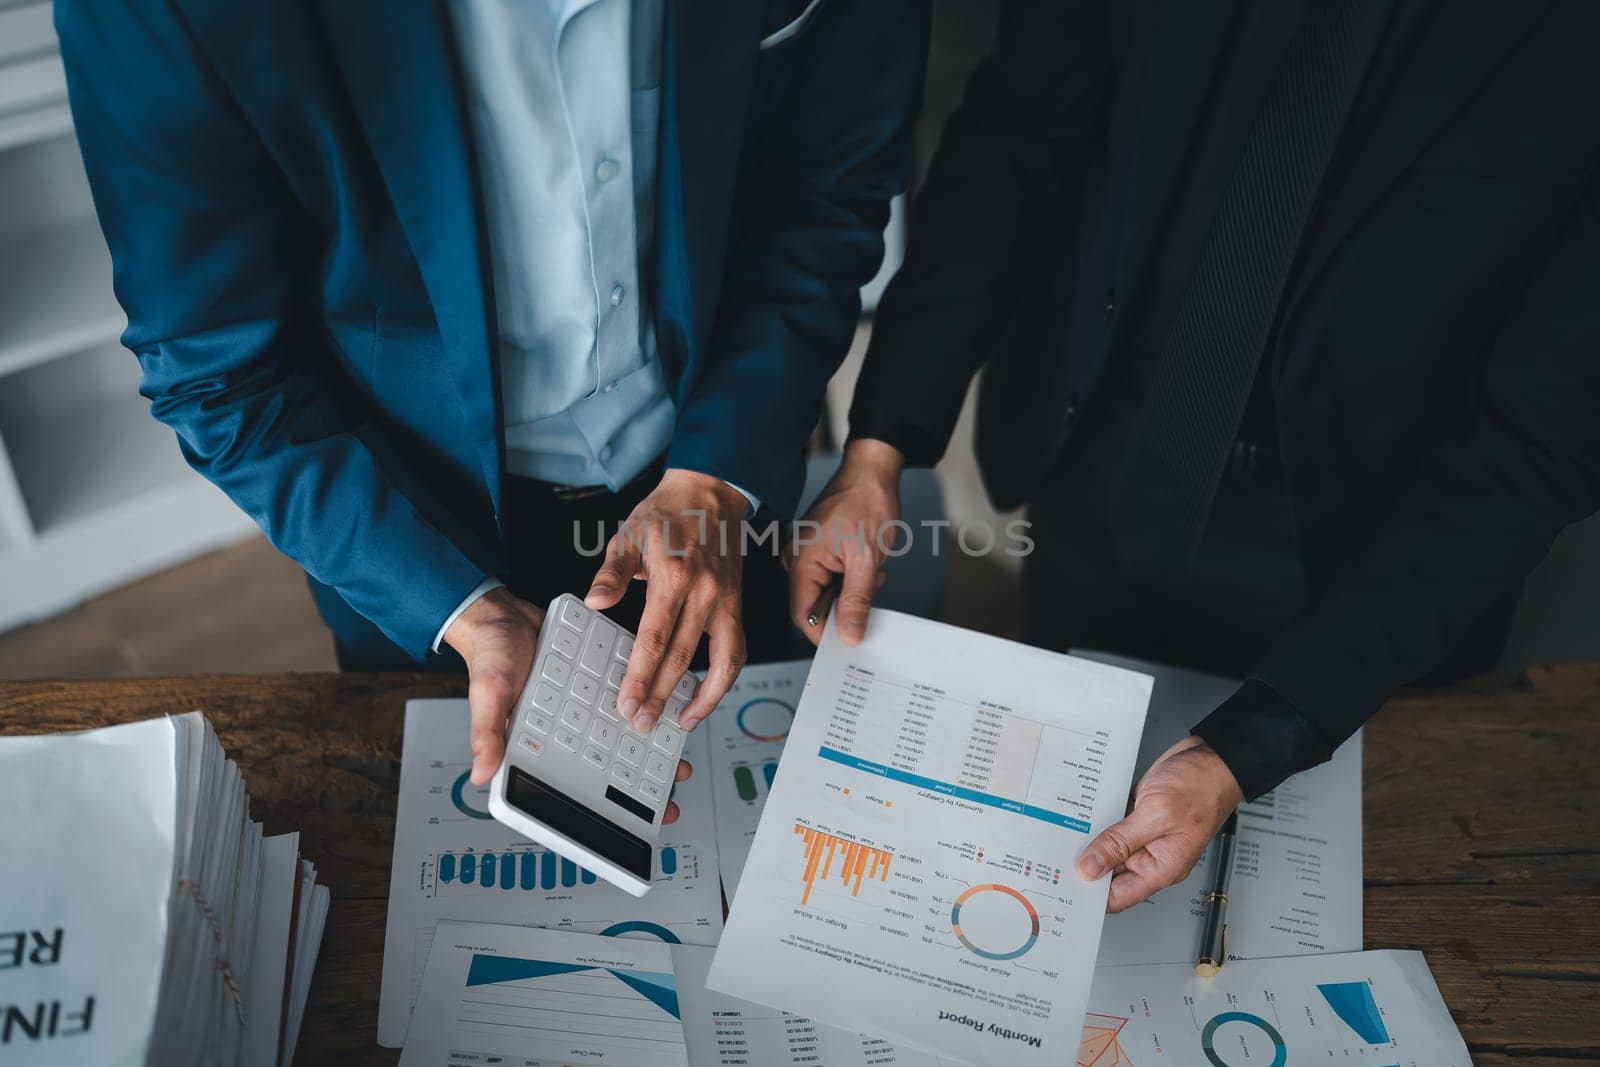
column 576, row 778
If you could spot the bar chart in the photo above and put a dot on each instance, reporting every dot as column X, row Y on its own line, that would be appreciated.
column 856, row 861
column 527, row 870
column 745, row 781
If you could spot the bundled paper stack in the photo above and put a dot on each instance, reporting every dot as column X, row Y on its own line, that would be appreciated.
column 144, row 918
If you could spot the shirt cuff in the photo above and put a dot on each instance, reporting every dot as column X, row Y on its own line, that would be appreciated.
column 1262, row 738
column 755, row 502
column 485, row 586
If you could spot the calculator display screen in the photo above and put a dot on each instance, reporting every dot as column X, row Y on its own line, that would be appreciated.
column 571, row 819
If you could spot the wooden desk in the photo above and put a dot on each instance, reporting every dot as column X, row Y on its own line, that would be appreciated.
column 1482, row 834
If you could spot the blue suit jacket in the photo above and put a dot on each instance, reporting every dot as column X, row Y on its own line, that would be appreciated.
column 292, row 207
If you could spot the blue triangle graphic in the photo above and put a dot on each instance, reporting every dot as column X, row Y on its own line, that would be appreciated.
column 487, row 970
column 660, row 989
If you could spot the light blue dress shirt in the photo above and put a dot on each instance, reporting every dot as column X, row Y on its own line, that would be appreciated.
column 564, row 99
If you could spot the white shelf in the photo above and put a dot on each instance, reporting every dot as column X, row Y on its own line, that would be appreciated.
column 114, row 545
column 55, row 294
column 81, row 438
column 35, row 124
column 93, row 491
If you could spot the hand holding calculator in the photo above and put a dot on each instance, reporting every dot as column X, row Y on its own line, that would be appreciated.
column 576, row 778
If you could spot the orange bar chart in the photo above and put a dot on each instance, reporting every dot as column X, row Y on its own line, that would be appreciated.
column 856, row 860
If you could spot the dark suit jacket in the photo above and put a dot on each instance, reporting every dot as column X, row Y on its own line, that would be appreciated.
column 1434, row 366
column 293, row 211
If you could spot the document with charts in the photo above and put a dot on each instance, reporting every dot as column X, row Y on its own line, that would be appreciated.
column 452, row 861
column 1335, row 1008
column 912, row 875
column 1297, row 874
column 510, row 994
column 747, row 734
column 724, row 1031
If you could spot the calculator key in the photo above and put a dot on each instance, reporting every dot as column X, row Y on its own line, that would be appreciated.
column 556, row 669
column 566, row 642
column 686, row 687
column 603, row 733
column 668, row 738
column 546, row 697
column 585, row 688
column 652, row 791
column 575, row 615
column 597, row 648
column 624, row 647
column 530, row 744
column 614, row 676
column 670, row 713
column 608, row 701
column 631, row 750
column 658, row 767
column 567, row 739
column 594, row 757
column 539, row 722
column 575, row 715
column 624, row 774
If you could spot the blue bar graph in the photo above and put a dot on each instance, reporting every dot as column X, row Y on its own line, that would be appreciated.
column 669, row 861
column 530, row 870
column 770, row 770
column 547, row 870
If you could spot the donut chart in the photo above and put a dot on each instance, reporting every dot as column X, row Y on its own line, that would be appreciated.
column 459, row 799
column 1207, row 1036
column 765, row 719
column 994, row 953
column 639, row 926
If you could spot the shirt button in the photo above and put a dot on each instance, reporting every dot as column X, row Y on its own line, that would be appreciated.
column 606, row 169
column 616, row 295
column 605, row 454
column 609, row 386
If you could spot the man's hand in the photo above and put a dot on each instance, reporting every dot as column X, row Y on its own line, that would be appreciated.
column 496, row 635
column 1178, row 806
column 852, row 517
column 684, row 541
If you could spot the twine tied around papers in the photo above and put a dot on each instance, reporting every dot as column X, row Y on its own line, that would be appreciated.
column 216, row 935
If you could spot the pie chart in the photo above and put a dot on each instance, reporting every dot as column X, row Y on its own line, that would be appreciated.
column 995, row 921
column 765, row 719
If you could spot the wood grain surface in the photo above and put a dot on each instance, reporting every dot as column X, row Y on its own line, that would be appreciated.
column 1482, row 834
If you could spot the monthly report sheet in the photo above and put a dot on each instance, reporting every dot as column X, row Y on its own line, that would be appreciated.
column 912, row 877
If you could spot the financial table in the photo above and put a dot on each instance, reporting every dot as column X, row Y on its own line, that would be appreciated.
column 1482, row 830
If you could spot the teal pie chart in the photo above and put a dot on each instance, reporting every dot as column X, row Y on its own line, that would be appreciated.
column 458, row 797
column 1208, row 1036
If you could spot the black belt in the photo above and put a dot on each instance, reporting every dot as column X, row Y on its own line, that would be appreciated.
column 651, row 473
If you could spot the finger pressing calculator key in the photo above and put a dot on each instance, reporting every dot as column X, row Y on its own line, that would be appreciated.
column 576, row 779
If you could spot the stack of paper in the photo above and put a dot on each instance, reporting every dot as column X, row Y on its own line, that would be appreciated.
column 144, row 918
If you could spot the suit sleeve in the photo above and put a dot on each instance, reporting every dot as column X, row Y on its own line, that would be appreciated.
column 212, row 260
column 814, row 187
column 1030, row 126
column 1481, row 514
